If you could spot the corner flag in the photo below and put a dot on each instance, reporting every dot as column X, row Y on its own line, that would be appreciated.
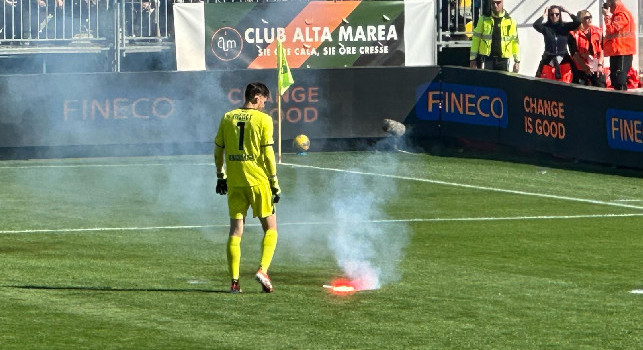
column 284, row 80
column 284, row 77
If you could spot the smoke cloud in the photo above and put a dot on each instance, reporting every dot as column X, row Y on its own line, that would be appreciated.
column 367, row 251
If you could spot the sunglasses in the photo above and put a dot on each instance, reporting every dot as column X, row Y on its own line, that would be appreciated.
column 497, row 2
column 554, row 13
column 587, row 17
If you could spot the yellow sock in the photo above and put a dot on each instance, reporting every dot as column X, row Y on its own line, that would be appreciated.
column 268, row 249
column 234, row 256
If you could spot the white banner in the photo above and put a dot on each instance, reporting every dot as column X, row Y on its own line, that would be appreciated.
column 189, row 27
column 317, row 34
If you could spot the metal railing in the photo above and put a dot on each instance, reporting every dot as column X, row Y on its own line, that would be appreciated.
column 29, row 21
column 143, row 26
column 456, row 20
column 111, row 27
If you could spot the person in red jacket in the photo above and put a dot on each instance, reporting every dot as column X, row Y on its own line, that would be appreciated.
column 586, row 49
column 619, row 43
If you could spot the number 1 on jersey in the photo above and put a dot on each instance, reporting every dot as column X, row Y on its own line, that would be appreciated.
column 241, row 126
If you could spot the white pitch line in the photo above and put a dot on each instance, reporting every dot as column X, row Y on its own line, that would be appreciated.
column 407, row 152
column 476, row 187
column 637, row 291
column 383, row 221
column 98, row 229
column 102, row 165
column 537, row 217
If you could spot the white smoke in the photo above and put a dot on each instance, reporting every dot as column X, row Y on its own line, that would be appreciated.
column 367, row 251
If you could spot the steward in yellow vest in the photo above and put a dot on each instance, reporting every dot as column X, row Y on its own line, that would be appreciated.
column 495, row 40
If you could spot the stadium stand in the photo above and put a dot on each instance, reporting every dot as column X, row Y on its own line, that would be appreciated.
column 37, row 36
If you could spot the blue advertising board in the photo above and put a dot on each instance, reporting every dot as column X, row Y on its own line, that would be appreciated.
column 468, row 104
column 624, row 129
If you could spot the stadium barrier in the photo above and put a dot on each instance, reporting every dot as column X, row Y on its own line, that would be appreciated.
column 112, row 110
column 534, row 115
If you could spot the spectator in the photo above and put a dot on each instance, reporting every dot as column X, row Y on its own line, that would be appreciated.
column 495, row 40
column 142, row 18
column 55, row 21
column 8, row 11
column 586, row 49
column 149, row 18
column 32, row 13
column 620, row 41
column 555, row 32
column 84, row 17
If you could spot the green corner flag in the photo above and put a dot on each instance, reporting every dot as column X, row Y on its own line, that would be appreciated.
column 284, row 77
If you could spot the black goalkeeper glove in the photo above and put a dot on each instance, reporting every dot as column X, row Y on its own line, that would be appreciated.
column 222, row 186
column 274, row 187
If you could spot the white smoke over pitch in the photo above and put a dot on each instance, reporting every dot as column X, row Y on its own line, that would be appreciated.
column 367, row 252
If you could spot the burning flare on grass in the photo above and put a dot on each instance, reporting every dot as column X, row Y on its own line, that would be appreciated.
column 342, row 286
column 367, row 252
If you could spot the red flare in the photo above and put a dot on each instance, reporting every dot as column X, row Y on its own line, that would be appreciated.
column 341, row 286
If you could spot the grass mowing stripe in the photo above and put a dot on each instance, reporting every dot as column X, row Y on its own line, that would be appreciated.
column 501, row 285
column 540, row 217
column 616, row 203
column 475, row 187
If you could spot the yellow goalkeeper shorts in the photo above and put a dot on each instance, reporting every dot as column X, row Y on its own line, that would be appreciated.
column 258, row 197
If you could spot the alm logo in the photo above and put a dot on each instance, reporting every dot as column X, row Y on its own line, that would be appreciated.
column 226, row 44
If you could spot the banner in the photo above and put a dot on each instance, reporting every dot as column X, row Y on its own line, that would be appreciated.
column 531, row 114
column 315, row 34
column 178, row 109
column 171, row 109
column 106, row 109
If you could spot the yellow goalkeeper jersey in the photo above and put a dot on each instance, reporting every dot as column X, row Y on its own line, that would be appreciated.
column 244, row 134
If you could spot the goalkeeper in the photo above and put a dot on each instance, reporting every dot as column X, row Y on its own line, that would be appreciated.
column 249, row 179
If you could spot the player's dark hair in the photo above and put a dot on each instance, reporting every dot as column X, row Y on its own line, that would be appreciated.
column 256, row 88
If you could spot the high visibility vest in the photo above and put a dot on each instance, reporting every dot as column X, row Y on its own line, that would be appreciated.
column 620, row 33
column 583, row 44
column 481, row 42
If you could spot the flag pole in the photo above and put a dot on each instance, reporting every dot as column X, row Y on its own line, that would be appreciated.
column 278, row 125
column 279, row 61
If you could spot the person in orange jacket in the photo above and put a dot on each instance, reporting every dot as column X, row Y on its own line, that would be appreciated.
column 586, row 49
column 619, row 43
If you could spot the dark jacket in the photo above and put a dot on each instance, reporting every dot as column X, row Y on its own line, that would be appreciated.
column 556, row 34
column 556, row 37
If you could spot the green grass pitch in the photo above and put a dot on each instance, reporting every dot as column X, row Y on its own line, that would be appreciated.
column 129, row 253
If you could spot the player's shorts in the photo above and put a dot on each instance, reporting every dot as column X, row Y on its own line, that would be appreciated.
column 257, row 197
